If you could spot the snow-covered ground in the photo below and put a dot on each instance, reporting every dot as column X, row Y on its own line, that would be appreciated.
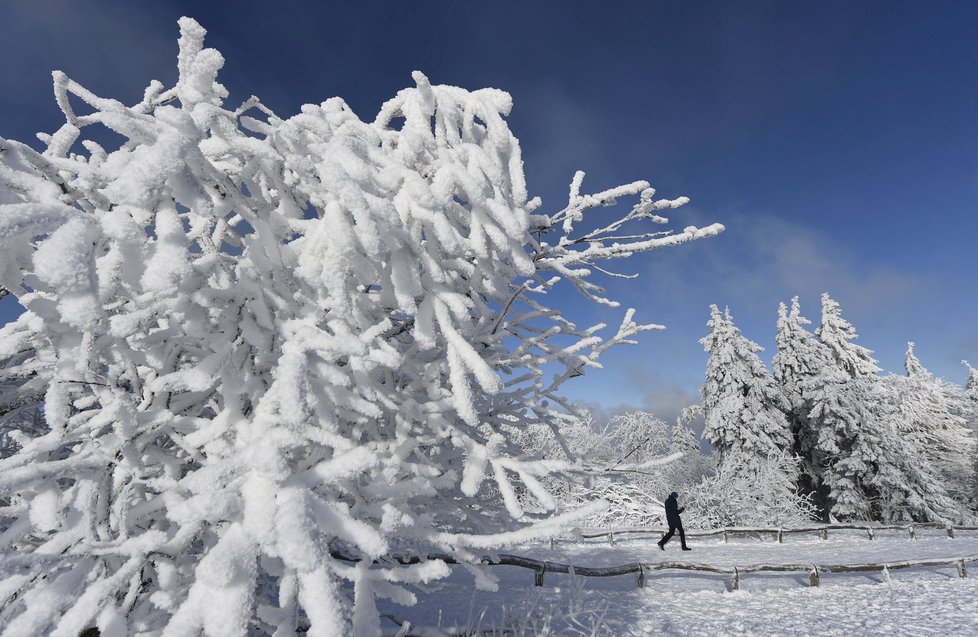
column 917, row 601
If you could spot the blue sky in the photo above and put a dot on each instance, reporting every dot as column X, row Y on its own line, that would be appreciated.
column 835, row 140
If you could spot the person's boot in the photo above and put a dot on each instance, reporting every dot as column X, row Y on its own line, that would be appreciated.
column 662, row 546
column 686, row 548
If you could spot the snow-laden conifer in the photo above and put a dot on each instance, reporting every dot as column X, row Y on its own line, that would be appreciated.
column 743, row 406
column 837, row 334
column 266, row 344
column 929, row 415
column 798, row 358
column 913, row 365
column 970, row 407
column 971, row 385
column 859, row 465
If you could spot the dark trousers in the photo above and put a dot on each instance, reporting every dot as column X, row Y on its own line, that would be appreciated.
column 672, row 530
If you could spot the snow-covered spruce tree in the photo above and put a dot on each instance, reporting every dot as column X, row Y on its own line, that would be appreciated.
column 743, row 406
column 859, row 466
column 970, row 405
column 837, row 334
column 745, row 421
column 805, row 369
column 929, row 415
column 269, row 343
column 971, row 385
column 795, row 362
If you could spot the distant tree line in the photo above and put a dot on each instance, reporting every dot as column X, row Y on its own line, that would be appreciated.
column 859, row 445
column 825, row 436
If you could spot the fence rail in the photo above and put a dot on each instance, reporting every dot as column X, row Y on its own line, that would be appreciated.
column 641, row 569
column 823, row 530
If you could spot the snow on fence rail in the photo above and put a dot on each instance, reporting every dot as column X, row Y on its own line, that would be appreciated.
column 541, row 567
column 823, row 530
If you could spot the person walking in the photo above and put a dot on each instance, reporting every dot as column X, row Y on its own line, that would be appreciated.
column 675, row 522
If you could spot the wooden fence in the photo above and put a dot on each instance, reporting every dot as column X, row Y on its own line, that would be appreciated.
column 822, row 530
column 642, row 569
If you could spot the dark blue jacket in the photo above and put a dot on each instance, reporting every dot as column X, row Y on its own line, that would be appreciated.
column 673, row 511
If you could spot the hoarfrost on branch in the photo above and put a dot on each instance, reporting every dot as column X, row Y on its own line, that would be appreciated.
column 258, row 342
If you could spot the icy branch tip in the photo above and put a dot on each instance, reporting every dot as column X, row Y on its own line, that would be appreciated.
column 191, row 28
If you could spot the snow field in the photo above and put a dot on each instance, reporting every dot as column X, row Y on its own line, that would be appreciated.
column 915, row 601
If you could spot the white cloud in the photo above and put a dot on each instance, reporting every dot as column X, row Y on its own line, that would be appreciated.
column 761, row 260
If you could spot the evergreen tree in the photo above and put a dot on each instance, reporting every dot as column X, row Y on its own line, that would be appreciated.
column 913, row 365
column 743, row 406
column 971, row 385
column 858, row 465
column 797, row 362
column 837, row 334
column 970, row 404
column 928, row 416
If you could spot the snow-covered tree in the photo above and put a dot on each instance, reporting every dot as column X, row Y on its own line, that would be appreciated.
column 693, row 466
column 743, row 406
column 733, row 498
column 268, row 343
column 643, row 441
column 746, row 422
column 837, row 334
column 915, row 369
column 970, row 407
column 858, row 464
column 796, row 362
column 928, row 415
column 971, row 385
column 633, row 462
column 639, row 437
column 968, row 398
column 21, row 394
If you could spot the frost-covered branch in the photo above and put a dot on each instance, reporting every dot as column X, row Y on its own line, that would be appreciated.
column 256, row 340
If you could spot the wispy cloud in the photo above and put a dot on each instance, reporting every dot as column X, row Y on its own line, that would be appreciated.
column 642, row 388
column 763, row 259
column 809, row 262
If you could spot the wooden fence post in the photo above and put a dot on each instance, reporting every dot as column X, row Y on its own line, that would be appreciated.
column 780, row 536
column 611, row 538
column 735, row 581
column 825, row 534
column 640, row 578
column 551, row 543
column 961, row 571
column 886, row 573
column 813, row 576
column 913, row 534
column 538, row 576
column 725, row 536
column 950, row 532
column 871, row 533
